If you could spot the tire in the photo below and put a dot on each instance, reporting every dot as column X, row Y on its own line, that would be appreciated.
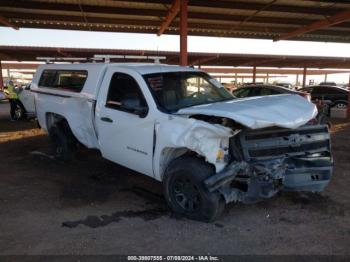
column 19, row 112
column 62, row 143
column 185, row 192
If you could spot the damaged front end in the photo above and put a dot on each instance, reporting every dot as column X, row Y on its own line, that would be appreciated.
column 268, row 160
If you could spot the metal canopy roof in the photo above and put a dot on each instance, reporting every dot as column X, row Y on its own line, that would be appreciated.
column 22, row 67
column 265, row 19
column 28, row 53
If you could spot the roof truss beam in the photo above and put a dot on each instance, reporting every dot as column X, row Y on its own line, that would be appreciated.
column 202, row 61
column 172, row 13
column 257, row 12
column 260, row 62
column 271, row 71
column 242, row 5
column 27, row 8
column 6, row 22
column 333, row 20
column 235, row 5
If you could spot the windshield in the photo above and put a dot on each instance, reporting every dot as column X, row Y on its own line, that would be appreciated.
column 175, row 90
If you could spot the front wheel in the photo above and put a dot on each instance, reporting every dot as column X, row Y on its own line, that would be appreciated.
column 185, row 192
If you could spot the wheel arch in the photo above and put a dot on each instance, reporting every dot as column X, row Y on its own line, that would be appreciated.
column 168, row 154
column 59, row 121
column 53, row 119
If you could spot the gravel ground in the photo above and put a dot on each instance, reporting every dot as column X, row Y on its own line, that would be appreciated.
column 92, row 206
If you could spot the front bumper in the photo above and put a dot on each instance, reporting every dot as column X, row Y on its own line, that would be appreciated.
column 308, row 174
column 293, row 160
column 261, row 182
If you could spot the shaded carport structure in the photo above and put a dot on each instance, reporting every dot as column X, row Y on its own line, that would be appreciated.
column 309, row 20
column 223, row 63
column 31, row 53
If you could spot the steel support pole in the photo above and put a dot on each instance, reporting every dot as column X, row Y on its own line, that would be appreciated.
column 349, row 101
column 183, row 32
column 348, row 105
column 297, row 80
column 1, row 78
column 254, row 74
column 304, row 76
column 325, row 77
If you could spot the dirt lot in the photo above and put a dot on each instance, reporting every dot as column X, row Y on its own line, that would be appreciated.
column 92, row 206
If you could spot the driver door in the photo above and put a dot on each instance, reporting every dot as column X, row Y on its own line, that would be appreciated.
column 125, row 135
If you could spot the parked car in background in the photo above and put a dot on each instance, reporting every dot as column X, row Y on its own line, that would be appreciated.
column 266, row 90
column 25, row 108
column 251, row 83
column 332, row 95
column 347, row 87
column 328, row 84
column 285, row 84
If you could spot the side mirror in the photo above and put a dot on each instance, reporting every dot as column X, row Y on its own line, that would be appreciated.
column 133, row 104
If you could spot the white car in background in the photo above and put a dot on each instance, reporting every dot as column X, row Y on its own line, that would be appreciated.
column 27, row 99
column 26, row 107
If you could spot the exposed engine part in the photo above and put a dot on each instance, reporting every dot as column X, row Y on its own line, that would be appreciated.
column 218, row 120
column 267, row 161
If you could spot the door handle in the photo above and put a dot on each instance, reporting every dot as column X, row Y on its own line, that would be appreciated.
column 106, row 119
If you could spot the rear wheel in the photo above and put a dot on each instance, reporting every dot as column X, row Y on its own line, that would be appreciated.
column 63, row 142
column 185, row 192
column 19, row 112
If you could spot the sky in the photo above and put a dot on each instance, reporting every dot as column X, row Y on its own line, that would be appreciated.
column 85, row 39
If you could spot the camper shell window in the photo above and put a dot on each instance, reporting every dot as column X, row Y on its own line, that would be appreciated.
column 70, row 80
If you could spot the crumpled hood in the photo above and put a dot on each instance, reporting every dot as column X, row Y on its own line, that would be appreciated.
column 287, row 111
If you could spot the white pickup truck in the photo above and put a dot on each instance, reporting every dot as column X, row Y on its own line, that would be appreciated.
column 181, row 127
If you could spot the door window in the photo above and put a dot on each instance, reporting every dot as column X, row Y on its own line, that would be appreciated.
column 125, row 94
column 267, row 91
column 242, row 92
